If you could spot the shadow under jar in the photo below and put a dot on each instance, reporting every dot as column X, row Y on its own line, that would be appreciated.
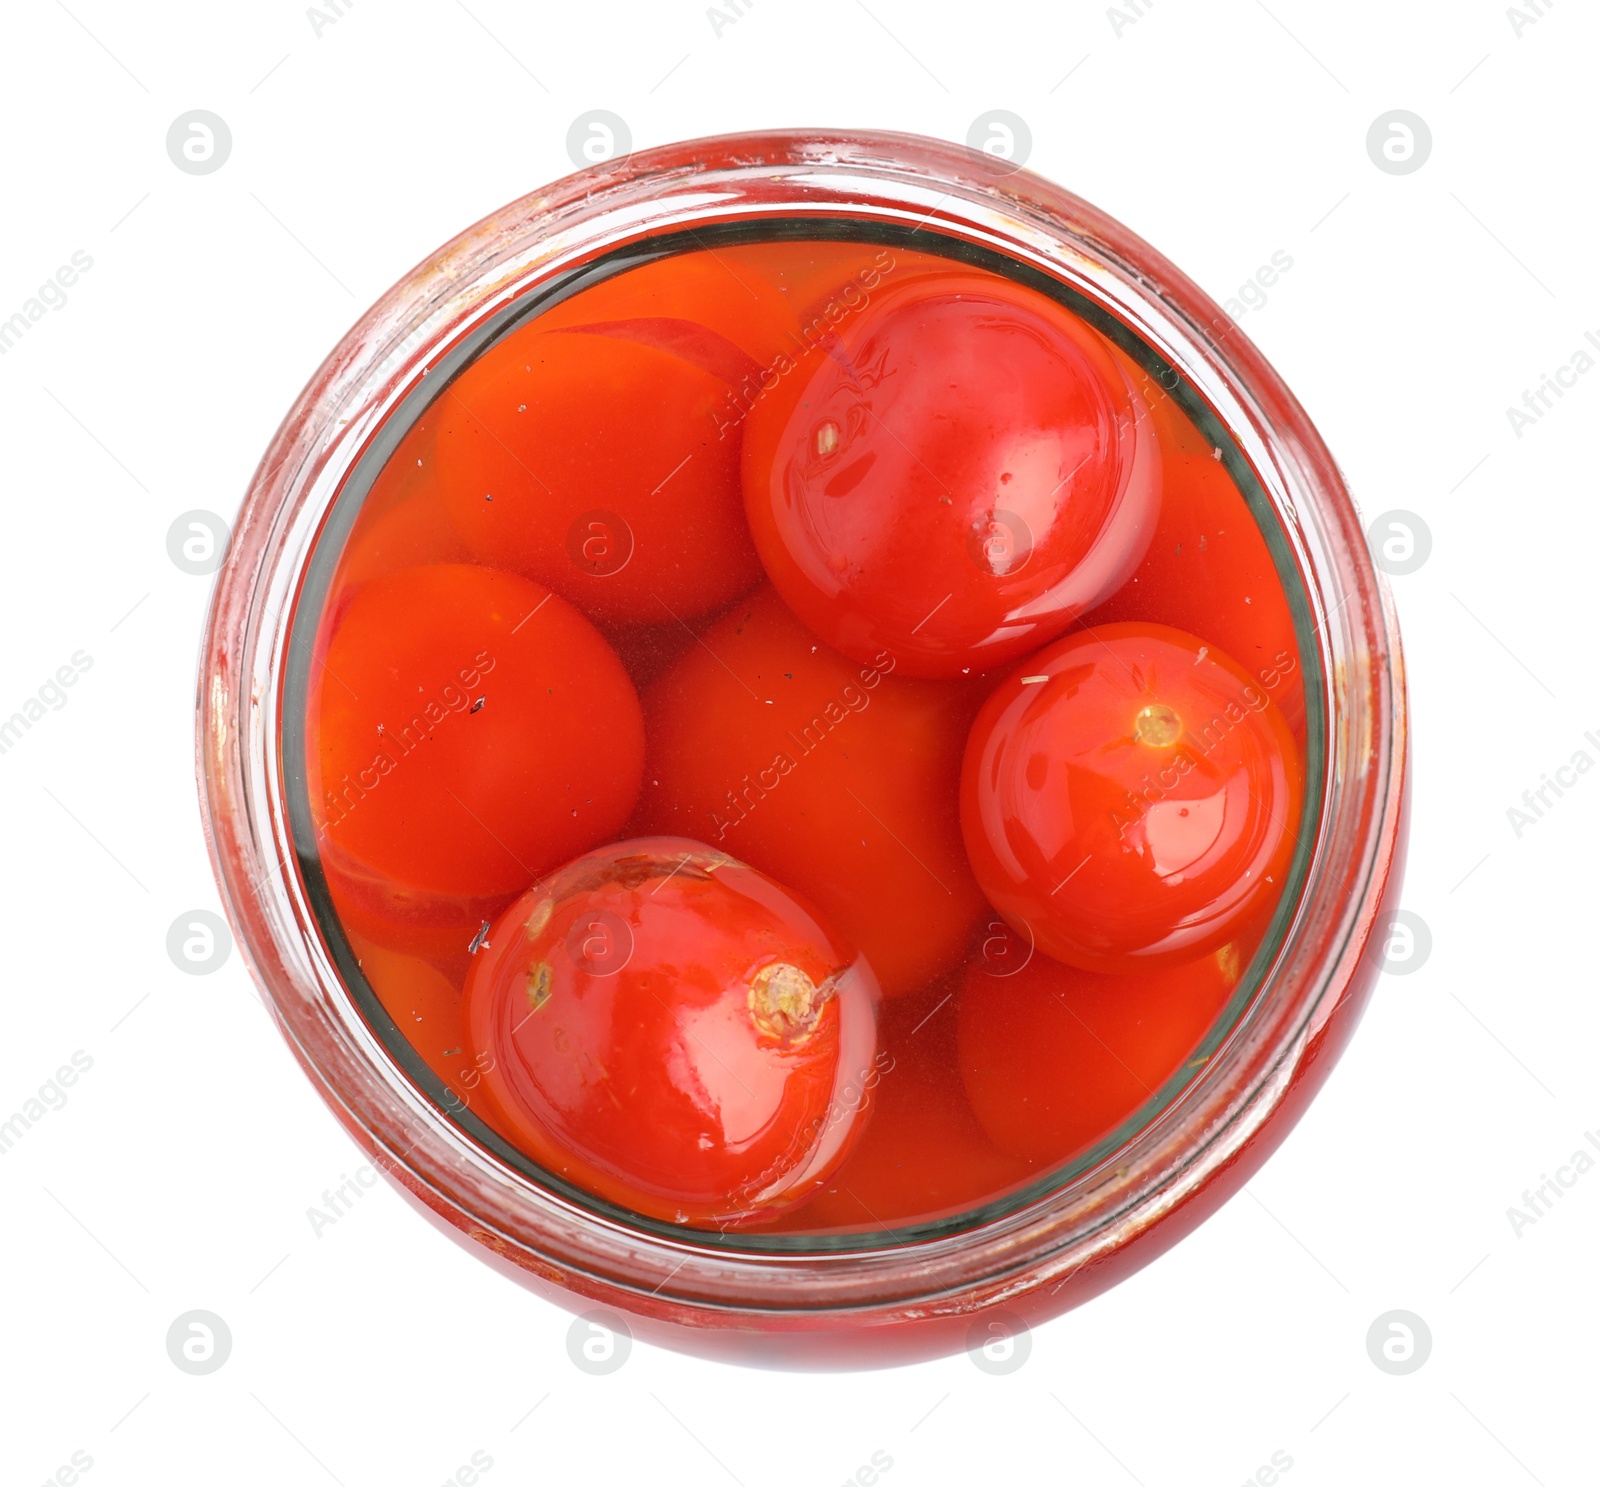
column 679, row 898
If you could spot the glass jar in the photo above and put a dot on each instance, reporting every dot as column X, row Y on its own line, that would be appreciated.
column 796, row 1299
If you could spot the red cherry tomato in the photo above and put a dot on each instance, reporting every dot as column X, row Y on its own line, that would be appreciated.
column 1208, row 569
column 736, row 312
column 427, row 1009
column 596, row 466
column 435, row 927
column 750, row 314
column 924, row 1156
column 675, row 1032
column 403, row 523
column 955, row 482
column 1055, row 1059
column 1130, row 796
column 413, row 533
column 839, row 779
column 469, row 731
column 650, row 650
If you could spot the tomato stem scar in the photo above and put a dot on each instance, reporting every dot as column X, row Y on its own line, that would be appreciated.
column 1157, row 725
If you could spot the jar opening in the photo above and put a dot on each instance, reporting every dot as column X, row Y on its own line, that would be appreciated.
column 1157, row 727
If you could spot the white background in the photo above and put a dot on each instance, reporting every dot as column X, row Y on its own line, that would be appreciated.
column 179, row 1173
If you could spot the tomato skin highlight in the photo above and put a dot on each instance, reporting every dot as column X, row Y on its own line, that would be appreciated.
column 1054, row 1058
column 675, row 1032
column 594, row 464
column 957, row 481
column 473, row 730
column 837, row 778
column 1135, row 802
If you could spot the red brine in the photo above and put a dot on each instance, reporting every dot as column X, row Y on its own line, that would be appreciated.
column 807, row 737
